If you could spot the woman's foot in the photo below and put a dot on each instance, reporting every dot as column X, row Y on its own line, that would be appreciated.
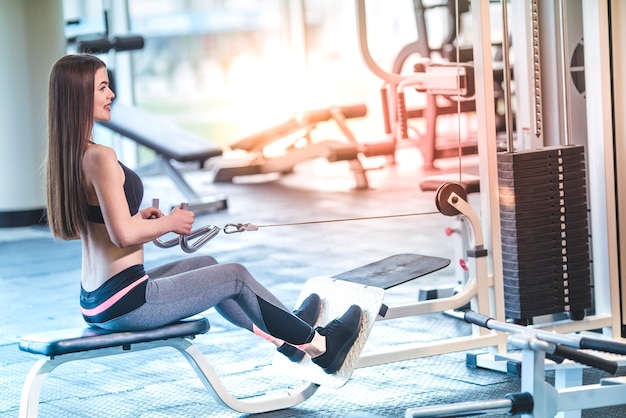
column 308, row 311
column 340, row 333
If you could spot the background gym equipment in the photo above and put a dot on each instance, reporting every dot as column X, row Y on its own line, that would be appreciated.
column 298, row 147
column 443, row 80
column 433, row 145
column 100, row 43
column 449, row 88
column 170, row 143
column 294, row 135
column 452, row 51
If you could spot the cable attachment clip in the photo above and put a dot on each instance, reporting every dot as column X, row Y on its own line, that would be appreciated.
column 234, row 228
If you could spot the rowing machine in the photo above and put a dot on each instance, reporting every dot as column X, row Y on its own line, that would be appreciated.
column 58, row 347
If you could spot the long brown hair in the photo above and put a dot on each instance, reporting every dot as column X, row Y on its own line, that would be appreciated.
column 70, row 122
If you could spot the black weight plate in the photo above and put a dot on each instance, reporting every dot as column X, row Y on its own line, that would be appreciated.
column 552, row 282
column 532, row 269
column 548, row 289
column 542, row 246
column 583, row 302
column 555, row 254
column 575, row 186
column 544, row 220
column 552, row 208
column 554, row 213
column 569, row 234
column 550, row 231
column 519, row 181
column 548, row 171
column 580, row 278
column 546, row 152
column 571, row 197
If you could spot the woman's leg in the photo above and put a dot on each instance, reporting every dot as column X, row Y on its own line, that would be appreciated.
column 226, row 307
column 230, row 288
column 193, row 291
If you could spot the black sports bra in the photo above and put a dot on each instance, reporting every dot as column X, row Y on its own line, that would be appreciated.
column 133, row 189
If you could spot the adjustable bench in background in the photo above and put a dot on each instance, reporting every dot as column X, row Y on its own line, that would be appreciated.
column 170, row 142
column 295, row 135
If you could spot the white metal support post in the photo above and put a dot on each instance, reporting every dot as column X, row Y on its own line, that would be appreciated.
column 618, row 56
column 485, row 109
column 601, row 161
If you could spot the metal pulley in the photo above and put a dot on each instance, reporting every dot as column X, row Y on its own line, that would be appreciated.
column 443, row 194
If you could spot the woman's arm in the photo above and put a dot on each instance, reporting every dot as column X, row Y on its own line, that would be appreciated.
column 103, row 172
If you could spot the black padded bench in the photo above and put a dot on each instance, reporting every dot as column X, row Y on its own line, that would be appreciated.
column 171, row 143
column 63, row 346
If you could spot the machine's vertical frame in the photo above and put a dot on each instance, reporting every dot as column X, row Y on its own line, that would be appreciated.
column 486, row 131
column 618, row 57
column 602, row 191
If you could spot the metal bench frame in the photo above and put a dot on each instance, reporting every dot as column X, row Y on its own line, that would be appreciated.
column 31, row 389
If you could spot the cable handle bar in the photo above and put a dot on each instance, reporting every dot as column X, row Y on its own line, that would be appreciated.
column 559, row 345
column 203, row 235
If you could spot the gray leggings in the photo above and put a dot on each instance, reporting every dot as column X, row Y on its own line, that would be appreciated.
column 189, row 286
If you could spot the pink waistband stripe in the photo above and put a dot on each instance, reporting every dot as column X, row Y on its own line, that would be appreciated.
column 113, row 299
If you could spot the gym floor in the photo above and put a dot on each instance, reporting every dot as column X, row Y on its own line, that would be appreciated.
column 40, row 281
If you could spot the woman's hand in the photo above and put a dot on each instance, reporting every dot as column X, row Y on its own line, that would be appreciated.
column 151, row 213
column 182, row 221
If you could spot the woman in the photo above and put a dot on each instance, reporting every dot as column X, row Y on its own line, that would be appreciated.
column 93, row 197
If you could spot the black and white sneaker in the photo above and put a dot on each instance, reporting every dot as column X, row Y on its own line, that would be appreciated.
column 340, row 333
column 309, row 311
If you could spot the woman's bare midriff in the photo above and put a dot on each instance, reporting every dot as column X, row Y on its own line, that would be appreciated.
column 102, row 259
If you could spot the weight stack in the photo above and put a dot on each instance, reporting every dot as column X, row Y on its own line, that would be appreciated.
column 545, row 232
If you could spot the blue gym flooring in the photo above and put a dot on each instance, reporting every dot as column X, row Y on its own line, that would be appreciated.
column 39, row 279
